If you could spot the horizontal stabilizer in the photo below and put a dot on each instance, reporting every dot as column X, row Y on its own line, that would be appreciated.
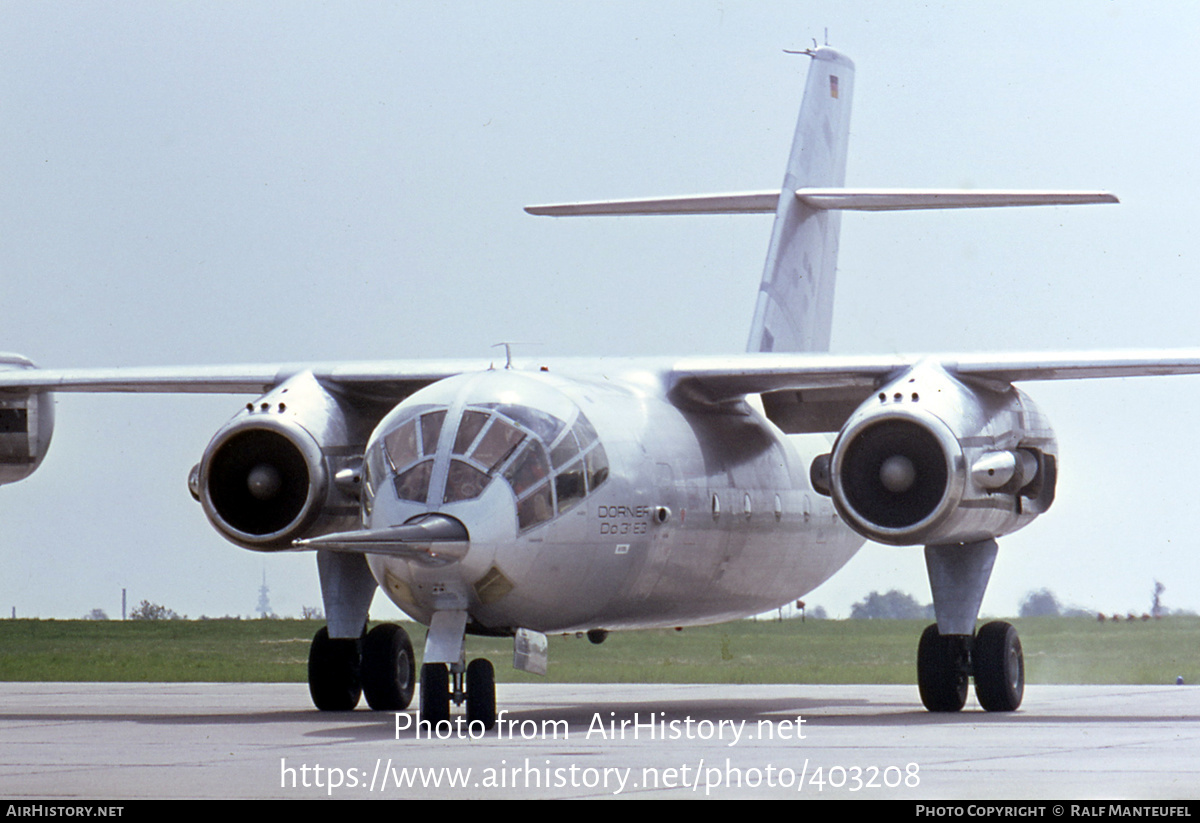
column 750, row 202
column 766, row 202
column 898, row 199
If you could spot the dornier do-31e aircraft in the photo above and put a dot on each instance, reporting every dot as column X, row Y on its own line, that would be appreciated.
column 592, row 496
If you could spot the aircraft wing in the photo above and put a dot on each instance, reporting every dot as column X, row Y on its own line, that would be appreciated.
column 394, row 378
column 808, row 393
column 712, row 379
column 717, row 379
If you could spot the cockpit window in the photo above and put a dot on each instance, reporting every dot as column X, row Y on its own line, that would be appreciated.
column 549, row 476
column 431, row 427
column 472, row 423
column 550, row 464
column 534, row 509
column 414, row 438
column 597, row 467
column 569, row 486
column 566, row 449
column 414, row 483
column 497, row 443
column 465, row 482
column 544, row 426
column 529, row 469
column 401, row 445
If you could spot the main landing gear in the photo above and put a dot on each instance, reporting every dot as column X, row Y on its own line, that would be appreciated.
column 992, row 656
column 474, row 683
column 380, row 664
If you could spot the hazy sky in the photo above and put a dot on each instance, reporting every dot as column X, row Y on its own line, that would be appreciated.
column 187, row 183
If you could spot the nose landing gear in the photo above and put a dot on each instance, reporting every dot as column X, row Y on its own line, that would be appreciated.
column 474, row 684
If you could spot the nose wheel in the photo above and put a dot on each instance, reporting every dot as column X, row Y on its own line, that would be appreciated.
column 474, row 684
column 992, row 656
column 481, row 692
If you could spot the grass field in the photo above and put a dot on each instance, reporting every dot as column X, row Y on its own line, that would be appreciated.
column 1057, row 650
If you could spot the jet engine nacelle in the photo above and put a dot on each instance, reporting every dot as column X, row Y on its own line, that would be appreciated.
column 26, row 424
column 932, row 460
column 285, row 467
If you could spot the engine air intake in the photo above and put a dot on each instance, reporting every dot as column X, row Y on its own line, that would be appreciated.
column 894, row 473
column 259, row 481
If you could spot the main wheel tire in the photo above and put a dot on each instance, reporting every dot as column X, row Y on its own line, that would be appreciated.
column 999, row 667
column 481, row 692
column 435, row 693
column 942, row 670
column 388, row 668
column 333, row 672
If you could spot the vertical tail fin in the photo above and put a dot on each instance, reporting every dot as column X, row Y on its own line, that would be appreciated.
column 795, row 299
column 794, row 311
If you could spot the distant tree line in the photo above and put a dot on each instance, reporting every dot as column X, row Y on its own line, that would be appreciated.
column 153, row 611
column 892, row 605
column 1043, row 603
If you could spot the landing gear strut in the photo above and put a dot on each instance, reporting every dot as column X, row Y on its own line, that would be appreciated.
column 992, row 656
column 474, row 684
column 380, row 664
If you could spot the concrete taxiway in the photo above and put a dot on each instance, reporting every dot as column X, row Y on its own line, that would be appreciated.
column 250, row 740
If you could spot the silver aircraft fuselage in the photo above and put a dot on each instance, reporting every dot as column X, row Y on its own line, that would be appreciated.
column 595, row 502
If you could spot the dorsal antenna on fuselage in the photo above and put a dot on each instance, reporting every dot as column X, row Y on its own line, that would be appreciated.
column 507, row 352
